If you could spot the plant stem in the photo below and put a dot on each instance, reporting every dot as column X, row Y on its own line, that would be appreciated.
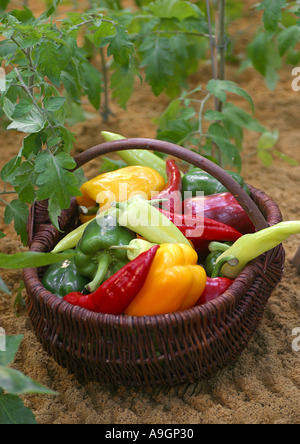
column 221, row 45
column 214, row 69
column 211, row 39
column 7, row 192
column 105, row 109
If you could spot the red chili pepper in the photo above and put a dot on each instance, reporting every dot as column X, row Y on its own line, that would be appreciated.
column 116, row 294
column 201, row 231
column 222, row 208
column 173, row 189
column 215, row 287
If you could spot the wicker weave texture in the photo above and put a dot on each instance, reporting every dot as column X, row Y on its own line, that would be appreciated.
column 152, row 350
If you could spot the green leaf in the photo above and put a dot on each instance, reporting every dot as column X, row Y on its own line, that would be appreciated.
column 92, row 79
column 122, row 83
column 68, row 139
column 79, row 174
column 8, row 171
column 106, row 29
column 22, row 108
column 32, row 144
column 12, row 344
column 157, row 60
column 121, row 47
column 18, row 212
column 30, row 41
column 32, row 259
column 287, row 39
column 7, row 48
column 25, row 181
column 240, row 117
column 19, row 299
column 51, row 10
column 268, row 140
column 265, row 58
column 14, row 382
column 23, row 15
column 55, row 182
column 13, row 411
column 230, row 153
column 213, row 115
column 220, row 87
column 3, row 5
column 3, row 286
column 265, row 157
column 286, row 158
column 33, row 122
column 170, row 9
column 111, row 165
column 272, row 13
column 52, row 59
column 54, row 103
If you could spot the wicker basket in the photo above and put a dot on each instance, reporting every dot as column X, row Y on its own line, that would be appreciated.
column 153, row 350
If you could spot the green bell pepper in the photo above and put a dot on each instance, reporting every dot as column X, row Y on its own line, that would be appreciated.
column 198, row 180
column 94, row 258
column 63, row 278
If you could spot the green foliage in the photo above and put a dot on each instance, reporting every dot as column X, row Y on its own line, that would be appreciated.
column 275, row 42
column 190, row 122
column 14, row 384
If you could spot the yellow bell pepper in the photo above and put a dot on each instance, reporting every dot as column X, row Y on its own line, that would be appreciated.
column 118, row 186
column 175, row 282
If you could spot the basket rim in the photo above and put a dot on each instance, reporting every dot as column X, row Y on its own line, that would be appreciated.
column 205, row 311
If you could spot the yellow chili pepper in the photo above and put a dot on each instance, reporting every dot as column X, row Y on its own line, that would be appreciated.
column 118, row 186
column 175, row 282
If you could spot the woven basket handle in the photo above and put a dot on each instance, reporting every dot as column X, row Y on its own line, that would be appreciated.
column 182, row 153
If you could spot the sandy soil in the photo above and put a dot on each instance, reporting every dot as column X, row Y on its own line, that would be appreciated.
column 263, row 386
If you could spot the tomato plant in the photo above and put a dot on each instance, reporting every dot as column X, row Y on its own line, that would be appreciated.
column 14, row 384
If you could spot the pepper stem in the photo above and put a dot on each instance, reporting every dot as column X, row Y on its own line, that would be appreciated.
column 232, row 260
column 218, row 246
column 157, row 201
column 104, row 261
column 122, row 247
column 135, row 248
column 88, row 211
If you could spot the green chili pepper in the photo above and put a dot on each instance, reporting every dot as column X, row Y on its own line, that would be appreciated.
column 140, row 216
column 198, row 180
column 72, row 239
column 250, row 246
column 63, row 278
column 138, row 157
column 93, row 258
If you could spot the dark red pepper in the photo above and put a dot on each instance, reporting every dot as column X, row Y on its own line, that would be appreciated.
column 222, row 208
column 215, row 287
column 115, row 294
column 173, row 188
column 201, row 231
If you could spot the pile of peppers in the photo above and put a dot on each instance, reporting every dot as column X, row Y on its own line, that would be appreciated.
column 149, row 251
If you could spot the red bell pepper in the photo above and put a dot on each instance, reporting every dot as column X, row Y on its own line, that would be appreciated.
column 172, row 191
column 117, row 293
column 222, row 208
column 215, row 287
